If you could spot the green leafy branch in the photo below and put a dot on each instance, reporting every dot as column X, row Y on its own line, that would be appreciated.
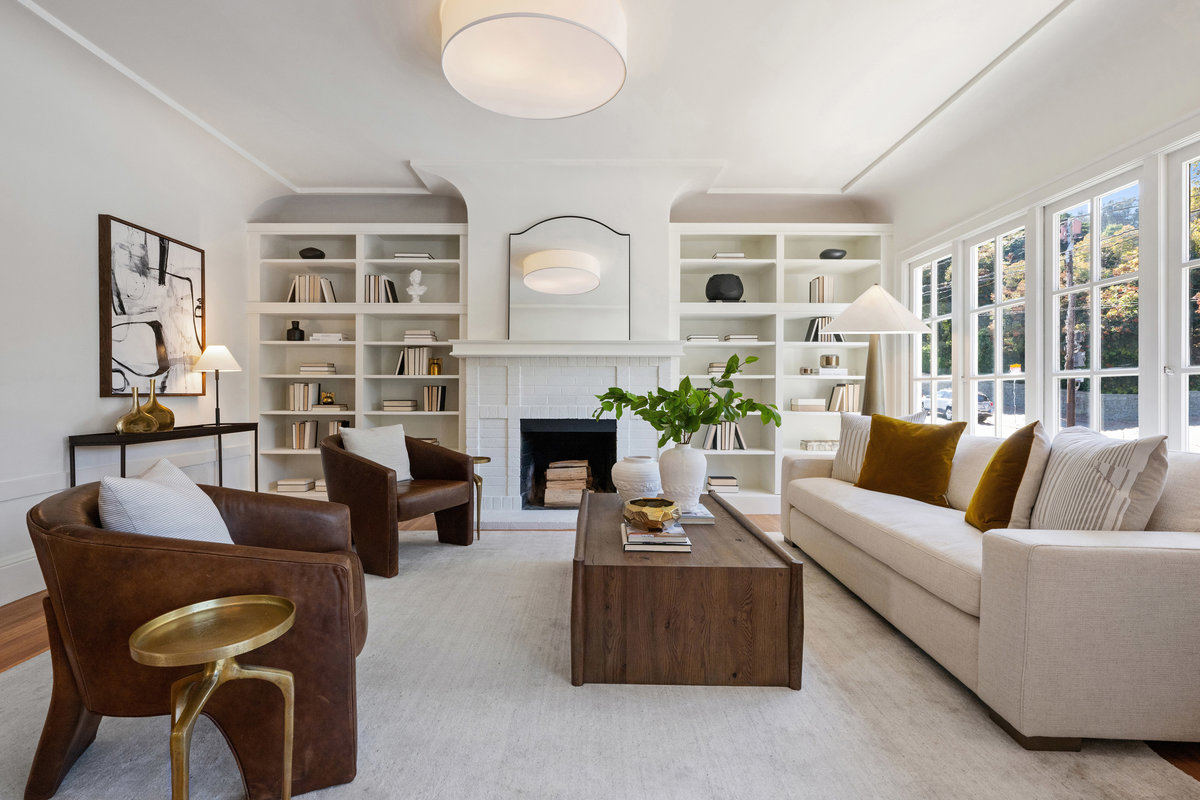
column 678, row 414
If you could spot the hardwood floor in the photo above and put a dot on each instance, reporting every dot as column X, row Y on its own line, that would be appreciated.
column 23, row 636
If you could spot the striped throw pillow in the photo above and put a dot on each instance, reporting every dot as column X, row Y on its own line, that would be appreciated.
column 1094, row 483
column 852, row 448
column 162, row 501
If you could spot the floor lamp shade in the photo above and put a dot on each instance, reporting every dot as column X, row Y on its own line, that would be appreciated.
column 535, row 59
column 875, row 312
column 214, row 359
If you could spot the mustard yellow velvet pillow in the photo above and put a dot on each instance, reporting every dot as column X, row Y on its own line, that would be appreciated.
column 992, row 504
column 910, row 459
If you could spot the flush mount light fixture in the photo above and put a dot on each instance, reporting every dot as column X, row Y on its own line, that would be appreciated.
column 536, row 59
column 561, row 271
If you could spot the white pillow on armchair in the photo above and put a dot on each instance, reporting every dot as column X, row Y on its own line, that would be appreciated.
column 383, row 445
column 162, row 501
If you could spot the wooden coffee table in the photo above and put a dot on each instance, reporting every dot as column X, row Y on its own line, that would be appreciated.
column 730, row 613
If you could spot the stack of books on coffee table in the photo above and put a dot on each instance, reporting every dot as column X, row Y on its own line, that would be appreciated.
column 671, row 539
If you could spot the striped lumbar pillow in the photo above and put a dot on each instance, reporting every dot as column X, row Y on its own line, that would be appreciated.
column 852, row 448
column 162, row 501
column 1094, row 483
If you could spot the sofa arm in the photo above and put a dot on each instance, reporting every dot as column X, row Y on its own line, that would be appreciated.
column 258, row 519
column 810, row 465
column 1092, row 634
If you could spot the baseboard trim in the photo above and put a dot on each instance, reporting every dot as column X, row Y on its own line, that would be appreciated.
column 20, row 577
column 1058, row 744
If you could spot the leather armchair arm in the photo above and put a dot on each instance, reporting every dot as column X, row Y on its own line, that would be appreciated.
column 287, row 523
column 433, row 461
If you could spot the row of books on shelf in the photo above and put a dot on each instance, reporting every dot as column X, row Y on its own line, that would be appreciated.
column 378, row 289
column 306, row 433
column 729, row 337
column 413, row 361
column 433, row 398
column 724, row 436
column 300, row 485
column 816, row 326
column 820, row 289
column 308, row 396
column 842, row 397
column 311, row 289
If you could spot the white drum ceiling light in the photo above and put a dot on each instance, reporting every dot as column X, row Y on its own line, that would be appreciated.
column 561, row 271
column 536, row 59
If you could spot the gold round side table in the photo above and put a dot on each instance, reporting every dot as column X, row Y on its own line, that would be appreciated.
column 479, row 491
column 212, row 633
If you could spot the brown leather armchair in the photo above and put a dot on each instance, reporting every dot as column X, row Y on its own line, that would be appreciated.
column 103, row 584
column 441, row 485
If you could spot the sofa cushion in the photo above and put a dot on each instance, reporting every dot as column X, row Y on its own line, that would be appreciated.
column 931, row 546
column 1179, row 507
column 910, row 459
column 1093, row 482
column 162, row 501
column 852, row 445
column 970, row 459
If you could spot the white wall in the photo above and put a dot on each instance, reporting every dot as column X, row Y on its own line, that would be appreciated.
column 77, row 140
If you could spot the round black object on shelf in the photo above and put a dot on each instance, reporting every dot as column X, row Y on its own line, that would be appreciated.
column 312, row 252
column 723, row 288
column 833, row 252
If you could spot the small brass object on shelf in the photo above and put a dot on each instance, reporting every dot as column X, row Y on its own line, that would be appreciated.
column 435, row 366
column 136, row 421
column 651, row 513
column 164, row 416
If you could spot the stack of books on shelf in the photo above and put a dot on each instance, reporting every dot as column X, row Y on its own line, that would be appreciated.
column 399, row 405
column 566, row 481
column 378, row 289
column 833, row 371
column 729, row 254
column 724, row 436
column 318, row 368
column 716, row 369
column 741, row 337
column 303, row 396
column 413, row 361
column 820, row 290
column 327, row 337
column 808, row 404
column 295, row 484
column 671, row 539
column 819, row 445
column 420, row 336
column 814, row 334
column 413, row 256
column 434, row 398
column 319, row 485
column 703, row 337
column 304, row 434
column 311, row 289
column 845, row 397
column 724, row 484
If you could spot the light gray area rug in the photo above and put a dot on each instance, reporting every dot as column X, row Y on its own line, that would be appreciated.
column 464, row 692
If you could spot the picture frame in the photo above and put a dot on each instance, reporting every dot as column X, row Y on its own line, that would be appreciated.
column 152, row 318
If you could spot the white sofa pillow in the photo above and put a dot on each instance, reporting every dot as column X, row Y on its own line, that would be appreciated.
column 384, row 446
column 1094, row 483
column 162, row 501
column 852, row 447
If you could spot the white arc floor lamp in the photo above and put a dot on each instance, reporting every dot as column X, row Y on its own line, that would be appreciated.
column 875, row 312
column 214, row 359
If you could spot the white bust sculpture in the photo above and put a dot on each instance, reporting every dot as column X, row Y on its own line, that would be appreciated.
column 415, row 289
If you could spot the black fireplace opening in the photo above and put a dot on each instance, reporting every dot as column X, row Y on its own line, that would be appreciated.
column 547, row 440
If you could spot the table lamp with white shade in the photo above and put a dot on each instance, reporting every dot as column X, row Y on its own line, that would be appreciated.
column 875, row 312
column 214, row 359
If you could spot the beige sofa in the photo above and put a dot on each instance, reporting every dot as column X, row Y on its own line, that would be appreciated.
column 1062, row 634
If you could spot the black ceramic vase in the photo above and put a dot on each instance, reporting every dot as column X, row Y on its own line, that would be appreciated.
column 723, row 288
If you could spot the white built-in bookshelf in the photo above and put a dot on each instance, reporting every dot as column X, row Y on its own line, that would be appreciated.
column 778, row 264
column 365, row 362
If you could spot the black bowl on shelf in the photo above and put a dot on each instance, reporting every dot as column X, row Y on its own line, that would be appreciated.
column 724, row 288
column 833, row 252
column 312, row 252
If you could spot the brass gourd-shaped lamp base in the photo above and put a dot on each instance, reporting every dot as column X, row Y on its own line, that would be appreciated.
column 164, row 416
column 137, row 421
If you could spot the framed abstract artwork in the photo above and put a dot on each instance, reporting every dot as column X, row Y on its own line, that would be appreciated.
column 151, row 311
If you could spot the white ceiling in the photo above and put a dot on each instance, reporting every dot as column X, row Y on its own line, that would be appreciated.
column 790, row 95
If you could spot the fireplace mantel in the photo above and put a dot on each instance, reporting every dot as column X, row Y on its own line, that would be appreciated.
column 505, row 348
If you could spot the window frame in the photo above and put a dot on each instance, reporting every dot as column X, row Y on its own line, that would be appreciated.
column 913, row 285
column 1176, row 367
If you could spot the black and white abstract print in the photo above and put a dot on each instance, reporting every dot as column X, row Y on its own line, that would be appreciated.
column 157, row 319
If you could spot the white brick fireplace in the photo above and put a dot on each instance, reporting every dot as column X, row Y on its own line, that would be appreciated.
column 507, row 381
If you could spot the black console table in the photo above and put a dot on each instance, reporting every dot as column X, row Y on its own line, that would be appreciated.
column 122, row 440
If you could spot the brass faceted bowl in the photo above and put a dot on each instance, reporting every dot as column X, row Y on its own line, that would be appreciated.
column 651, row 513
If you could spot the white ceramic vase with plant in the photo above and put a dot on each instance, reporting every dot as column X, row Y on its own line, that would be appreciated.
column 677, row 414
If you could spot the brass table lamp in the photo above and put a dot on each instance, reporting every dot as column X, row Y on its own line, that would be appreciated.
column 212, row 633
